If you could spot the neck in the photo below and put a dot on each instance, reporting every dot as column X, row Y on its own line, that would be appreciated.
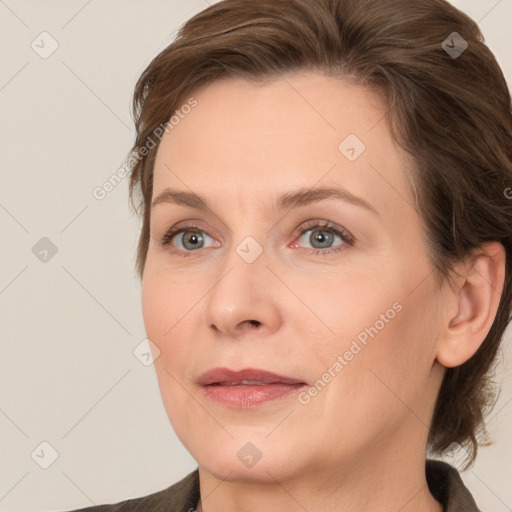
column 393, row 483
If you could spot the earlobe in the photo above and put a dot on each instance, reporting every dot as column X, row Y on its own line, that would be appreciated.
column 477, row 298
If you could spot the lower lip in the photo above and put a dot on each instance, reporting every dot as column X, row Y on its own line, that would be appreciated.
column 244, row 397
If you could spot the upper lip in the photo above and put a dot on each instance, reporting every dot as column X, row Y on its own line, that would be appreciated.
column 227, row 376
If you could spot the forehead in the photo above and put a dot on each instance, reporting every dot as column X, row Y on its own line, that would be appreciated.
column 300, row 129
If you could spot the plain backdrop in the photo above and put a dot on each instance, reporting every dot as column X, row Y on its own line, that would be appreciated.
column 73, row 394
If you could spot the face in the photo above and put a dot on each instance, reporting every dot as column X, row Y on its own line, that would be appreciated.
column 331, row 292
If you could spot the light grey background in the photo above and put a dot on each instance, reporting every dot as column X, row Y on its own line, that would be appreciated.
column 68, row 375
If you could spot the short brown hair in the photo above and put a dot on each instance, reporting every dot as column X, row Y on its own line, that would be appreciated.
column 450, row 113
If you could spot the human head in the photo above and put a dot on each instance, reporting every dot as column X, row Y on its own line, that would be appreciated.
column 456, row 137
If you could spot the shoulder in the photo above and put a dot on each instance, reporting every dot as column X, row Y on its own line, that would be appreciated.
column 179, row 497
column 447, row 487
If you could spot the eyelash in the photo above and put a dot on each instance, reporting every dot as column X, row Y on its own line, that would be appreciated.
column 311, row 225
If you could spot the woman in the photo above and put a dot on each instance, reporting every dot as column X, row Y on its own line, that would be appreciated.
column 326, row 251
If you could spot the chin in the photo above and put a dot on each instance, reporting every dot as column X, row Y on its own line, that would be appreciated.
column 247, row 456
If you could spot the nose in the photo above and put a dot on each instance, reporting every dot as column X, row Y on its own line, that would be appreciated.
column 245, row 299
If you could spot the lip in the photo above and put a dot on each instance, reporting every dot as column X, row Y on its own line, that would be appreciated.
column 247, row 388
column 227, row 376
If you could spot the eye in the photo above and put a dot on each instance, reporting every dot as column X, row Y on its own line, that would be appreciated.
column 323, row 235
column 192, row 239
column 185, row 240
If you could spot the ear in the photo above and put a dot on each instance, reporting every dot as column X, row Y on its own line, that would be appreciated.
column 472, row 304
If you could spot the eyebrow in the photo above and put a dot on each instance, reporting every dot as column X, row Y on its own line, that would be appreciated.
column 289, row 200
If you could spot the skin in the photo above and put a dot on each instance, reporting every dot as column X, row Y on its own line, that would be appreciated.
column 360, row 443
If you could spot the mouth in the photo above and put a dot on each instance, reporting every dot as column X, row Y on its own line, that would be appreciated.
column 247, row 388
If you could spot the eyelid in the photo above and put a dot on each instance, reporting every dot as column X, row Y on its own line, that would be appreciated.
column 180, row 228
column 326, row 225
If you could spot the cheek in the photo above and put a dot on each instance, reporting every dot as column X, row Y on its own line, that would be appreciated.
column 170, row 311
column 164, row 300
column 154, row 305
column 162, row 309
column 382, row 329
column 383, row 381
column 397, row 361
column 159, row 298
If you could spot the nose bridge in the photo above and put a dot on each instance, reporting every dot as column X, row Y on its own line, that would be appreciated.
column 248, row 242
column 243, row 269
